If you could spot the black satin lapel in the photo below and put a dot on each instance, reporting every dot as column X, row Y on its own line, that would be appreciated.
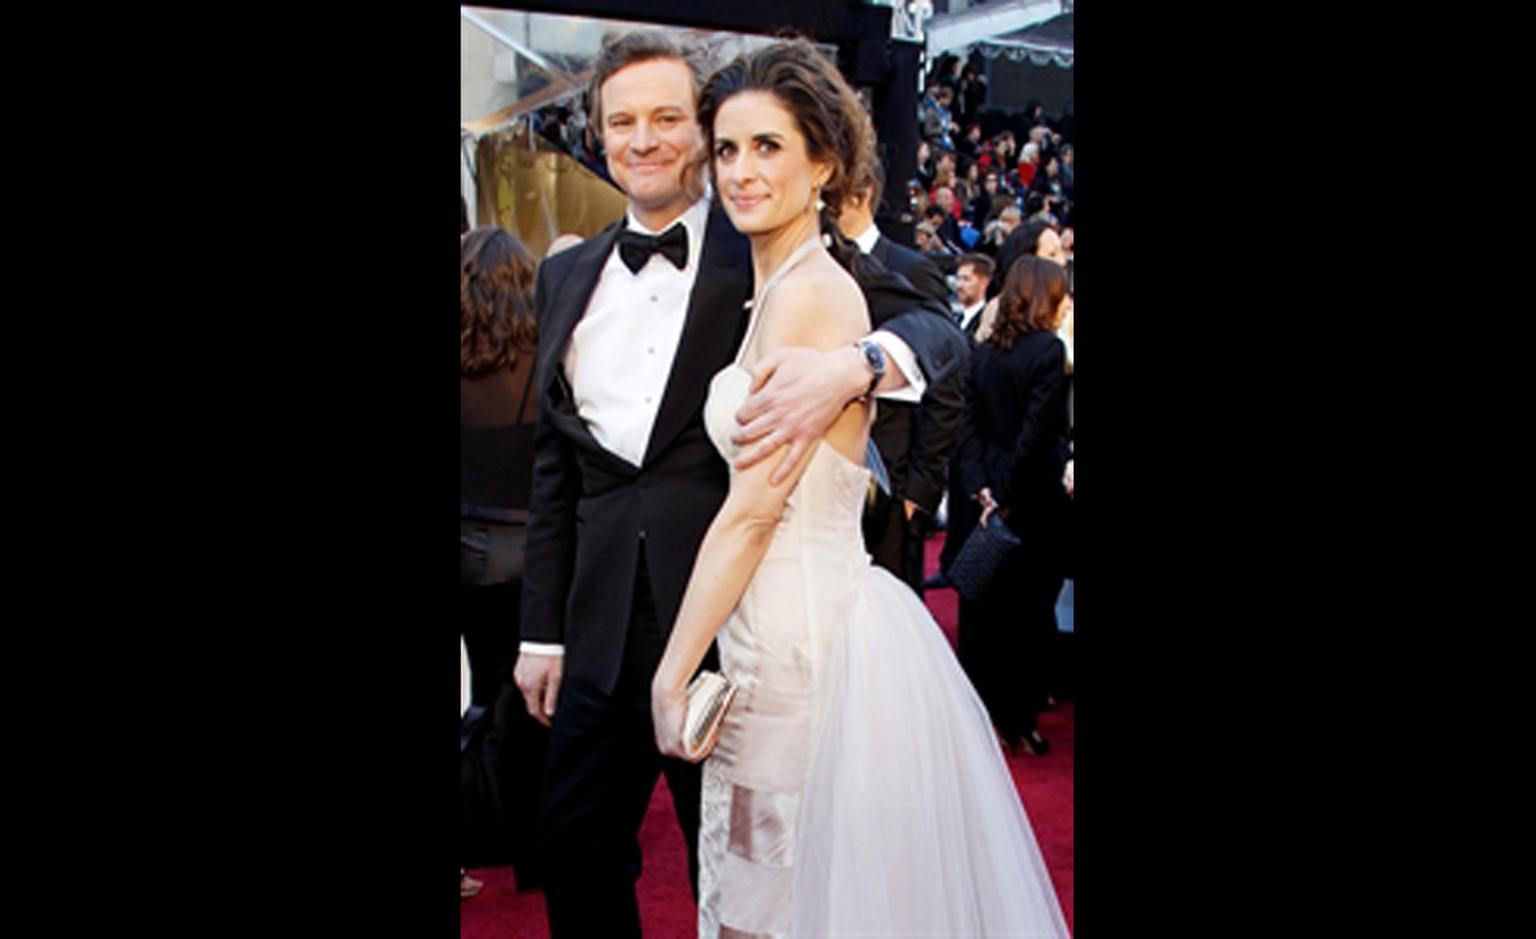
column 568, row 303
column 712, row 330
column 569, row 299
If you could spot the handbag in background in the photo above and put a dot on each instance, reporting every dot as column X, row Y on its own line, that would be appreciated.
column 979, row 557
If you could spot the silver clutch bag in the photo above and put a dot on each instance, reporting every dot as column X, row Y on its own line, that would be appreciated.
column 708, row 697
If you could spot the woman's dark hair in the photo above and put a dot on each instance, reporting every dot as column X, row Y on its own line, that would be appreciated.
column 828, row 113
column 496, row 317
column 1030, row 301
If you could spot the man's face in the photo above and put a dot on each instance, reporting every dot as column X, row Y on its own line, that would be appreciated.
column 968, row 287
column 652, row 135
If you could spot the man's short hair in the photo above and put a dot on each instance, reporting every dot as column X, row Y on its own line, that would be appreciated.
column 870, row 174
column 984, row 266
column 642, row 45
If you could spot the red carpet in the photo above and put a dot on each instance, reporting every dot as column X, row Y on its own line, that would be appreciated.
column 666, row 906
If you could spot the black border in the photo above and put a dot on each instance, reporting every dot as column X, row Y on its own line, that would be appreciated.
column 316, row 476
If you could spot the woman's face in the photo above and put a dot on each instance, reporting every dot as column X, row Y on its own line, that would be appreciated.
column 764, row 173
column 1064, row 312
column 1049, row 246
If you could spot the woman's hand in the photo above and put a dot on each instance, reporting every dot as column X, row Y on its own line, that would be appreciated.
column 988, row 505
column 669, row 709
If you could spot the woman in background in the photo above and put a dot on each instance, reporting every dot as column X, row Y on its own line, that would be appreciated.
column 1011, row 462
column 497, row 343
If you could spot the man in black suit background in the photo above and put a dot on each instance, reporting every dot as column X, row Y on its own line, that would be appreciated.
column 858, row 223
column 972, row 275
column 626, row 480
column 915, row 438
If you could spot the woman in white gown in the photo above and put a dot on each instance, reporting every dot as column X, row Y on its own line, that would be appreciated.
column 856, row 788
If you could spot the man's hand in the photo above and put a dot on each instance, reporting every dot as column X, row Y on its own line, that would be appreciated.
column 1066, row 479
column 538, row 678
column 796, row 395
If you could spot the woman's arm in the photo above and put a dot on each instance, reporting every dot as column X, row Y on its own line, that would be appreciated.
column 816, row 311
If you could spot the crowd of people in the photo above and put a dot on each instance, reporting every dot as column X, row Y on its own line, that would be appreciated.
column 646, row 492
column 973, row 190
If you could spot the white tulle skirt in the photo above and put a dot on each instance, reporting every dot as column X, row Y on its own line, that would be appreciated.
column 887, row 811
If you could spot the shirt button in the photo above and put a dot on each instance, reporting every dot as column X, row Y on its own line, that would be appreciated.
column 647, row 399
column 651, row 350
column 653, row 299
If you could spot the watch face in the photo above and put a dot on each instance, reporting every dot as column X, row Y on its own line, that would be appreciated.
column 874, row 356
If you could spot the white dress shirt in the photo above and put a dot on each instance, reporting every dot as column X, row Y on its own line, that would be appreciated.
column 620, row 354
column 969, row 314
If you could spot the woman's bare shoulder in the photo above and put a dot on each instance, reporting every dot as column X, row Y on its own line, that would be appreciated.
column 818, row 304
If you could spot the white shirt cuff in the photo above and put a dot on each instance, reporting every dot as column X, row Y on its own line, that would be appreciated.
column 901, row 356
column 542, row 648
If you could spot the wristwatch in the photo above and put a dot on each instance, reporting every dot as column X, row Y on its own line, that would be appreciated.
column 874, row 357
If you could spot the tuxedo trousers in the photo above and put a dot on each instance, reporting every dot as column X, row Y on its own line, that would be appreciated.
column 895, row 542
column 600, row 773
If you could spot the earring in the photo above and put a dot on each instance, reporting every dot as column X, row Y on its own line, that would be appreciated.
column 816, row 196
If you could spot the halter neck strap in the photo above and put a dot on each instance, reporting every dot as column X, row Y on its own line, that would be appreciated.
column 762, row 292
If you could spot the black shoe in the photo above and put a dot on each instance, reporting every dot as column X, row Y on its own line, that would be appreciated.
column 1033, row 744
column 937, row 582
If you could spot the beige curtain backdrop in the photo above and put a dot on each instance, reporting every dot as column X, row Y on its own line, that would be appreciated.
column 538, row 193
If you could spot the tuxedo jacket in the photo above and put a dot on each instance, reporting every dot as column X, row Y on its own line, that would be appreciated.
column 918, row 270
column 916, row 441
column 593, row 513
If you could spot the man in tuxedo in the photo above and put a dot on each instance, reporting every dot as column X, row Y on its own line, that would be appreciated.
column 914, row 439
column 972, row 275
column 633, row 323
column 858, row 223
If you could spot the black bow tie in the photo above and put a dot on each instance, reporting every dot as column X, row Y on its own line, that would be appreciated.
column 635, row 249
